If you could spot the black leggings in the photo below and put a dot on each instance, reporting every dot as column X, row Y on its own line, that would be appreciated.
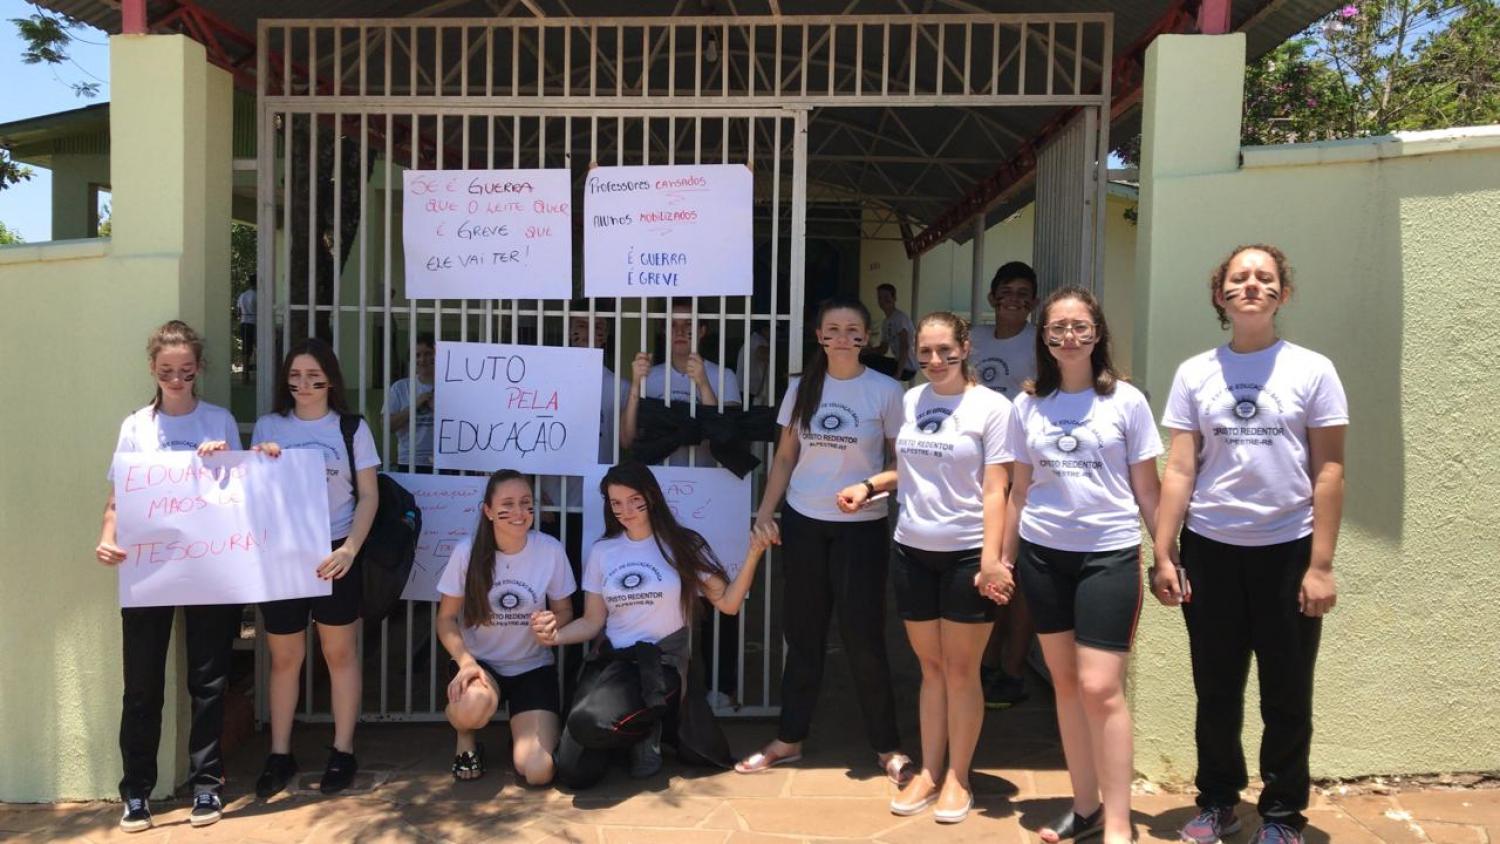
column 842, row 566
column 1244, row 602
column 209, row 634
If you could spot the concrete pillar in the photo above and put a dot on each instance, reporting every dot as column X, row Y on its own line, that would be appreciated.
column 978, row 289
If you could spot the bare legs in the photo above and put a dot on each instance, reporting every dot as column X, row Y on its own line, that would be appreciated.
column 344, row 677
column 534, row 733
column 950, row 708
column 1094, row 721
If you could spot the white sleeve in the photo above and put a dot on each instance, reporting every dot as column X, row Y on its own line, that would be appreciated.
column 261, row 432
column 892, row 412
column 731, row 394
column 1142, row 440
column 365, row 454
column 1327, row 406
column 232, row 432
column 998, row 447
column 124, row 444
column 561, row 585
column 1018, row 440
column 451, row 582
column 784, row 412
column 1181, row 412
column 593, row 571
column 399, row 397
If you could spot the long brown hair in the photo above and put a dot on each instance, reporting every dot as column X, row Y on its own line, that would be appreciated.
column 481, row 575
column 281, row 397
column 1048, row 374
column 960, row 328
column 684, row 548
column 810, row 388
column 1216, row 281
column 168, row 334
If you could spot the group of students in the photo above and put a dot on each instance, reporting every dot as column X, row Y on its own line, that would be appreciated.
column 1039, row 495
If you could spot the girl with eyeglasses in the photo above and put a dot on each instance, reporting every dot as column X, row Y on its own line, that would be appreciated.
column 175, row 420
column 492, row 588
column 1253, row 491
column 306, row 413
column 1085, row 476
column 641, row 585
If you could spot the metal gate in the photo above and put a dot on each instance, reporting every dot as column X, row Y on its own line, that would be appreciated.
column 346, row 105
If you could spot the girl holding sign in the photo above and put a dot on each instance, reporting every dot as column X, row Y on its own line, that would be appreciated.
column 953, row 462
column 305, row 413
column 1255, row 467
column 839, row 423
column 491, row 588
column 642, row 582
column 1085, row 476
column 175, row 420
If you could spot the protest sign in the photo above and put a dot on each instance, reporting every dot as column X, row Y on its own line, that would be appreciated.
column 674, row 230
column 711, row 501
column 487, row 234
column 534, row 409
column 232, row 528
column 450, row 509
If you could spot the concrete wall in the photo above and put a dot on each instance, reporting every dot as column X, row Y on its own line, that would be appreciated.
column 75, row 182
column 1392, row 244
column 73, row 336
column 947, row 270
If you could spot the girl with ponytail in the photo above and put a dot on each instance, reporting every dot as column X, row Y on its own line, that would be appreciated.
column 838, row 423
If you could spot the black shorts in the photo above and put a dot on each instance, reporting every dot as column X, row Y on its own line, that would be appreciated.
column 534, row 689
column 1096, row 594
column 940, row 584
column 342, row 607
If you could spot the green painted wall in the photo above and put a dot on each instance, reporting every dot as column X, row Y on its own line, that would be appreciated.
column 73, row 338
column 1389, row 248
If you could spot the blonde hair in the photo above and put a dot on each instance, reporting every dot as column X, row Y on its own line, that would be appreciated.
column 167, row 335
column 960, row 328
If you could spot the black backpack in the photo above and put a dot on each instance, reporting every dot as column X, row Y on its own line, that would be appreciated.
column 386, row 557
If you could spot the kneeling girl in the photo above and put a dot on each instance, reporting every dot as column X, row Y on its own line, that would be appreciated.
column 491, row 589
column 641, row 583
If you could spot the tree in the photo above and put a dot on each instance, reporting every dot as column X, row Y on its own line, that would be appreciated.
column 47, row 35
column 8, row 237
column 11, row 171
column 1373, row 67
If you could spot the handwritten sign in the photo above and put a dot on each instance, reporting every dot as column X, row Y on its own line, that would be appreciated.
column 450, row 509
column 529, row 408
column 679, row 230
column 233, row 528
column 488, row 234
column 711, row 501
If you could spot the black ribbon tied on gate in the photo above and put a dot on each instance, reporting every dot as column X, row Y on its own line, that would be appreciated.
column 662, row 429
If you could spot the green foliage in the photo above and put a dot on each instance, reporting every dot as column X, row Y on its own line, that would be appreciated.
column 11, row 171
column 8, row 237
column 242, row 249
column 47, row 36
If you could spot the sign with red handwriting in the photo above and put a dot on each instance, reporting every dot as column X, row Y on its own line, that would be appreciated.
column 534, row 409
column 488, row 234
column 450, row 510
column 709, row 500
column 232, row 528
column 673, row 230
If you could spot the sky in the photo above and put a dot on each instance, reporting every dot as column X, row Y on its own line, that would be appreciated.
column 31, row 90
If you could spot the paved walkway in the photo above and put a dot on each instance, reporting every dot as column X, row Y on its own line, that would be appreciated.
column 405, row 794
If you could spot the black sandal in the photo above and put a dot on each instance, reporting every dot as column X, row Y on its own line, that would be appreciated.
column 1077, row 827
column 469, row 762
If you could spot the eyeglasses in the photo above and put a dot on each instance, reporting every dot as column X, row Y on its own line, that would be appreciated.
column 1083, row 332
column 167, row 376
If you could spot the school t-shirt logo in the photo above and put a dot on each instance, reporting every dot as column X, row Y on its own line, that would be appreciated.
column 511, row 602
column 333, row 461
column 992, row 369
column 1072, row 448
column 1247, row 414
column 933, row 419
column 834, row 426
column 633, row 584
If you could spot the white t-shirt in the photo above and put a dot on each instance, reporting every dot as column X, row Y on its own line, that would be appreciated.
column 751, row 370
column 246, row 306
column 640, row 589
column 1080, row 447
column 611, row 388
column 420, row 422
column 523, row 584
column 899, row 322
column 323, row 435
column 1254, row 484
column 656, row 381
column 843, row 444
column 1004, row 365
column 151, row 430
column 944, row 444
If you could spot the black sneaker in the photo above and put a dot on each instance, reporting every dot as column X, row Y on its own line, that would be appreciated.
column 279, row 770
column 645, row 755
column 207, row 809
column 137, row 817
column 1002, row 691
column 339, row 774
